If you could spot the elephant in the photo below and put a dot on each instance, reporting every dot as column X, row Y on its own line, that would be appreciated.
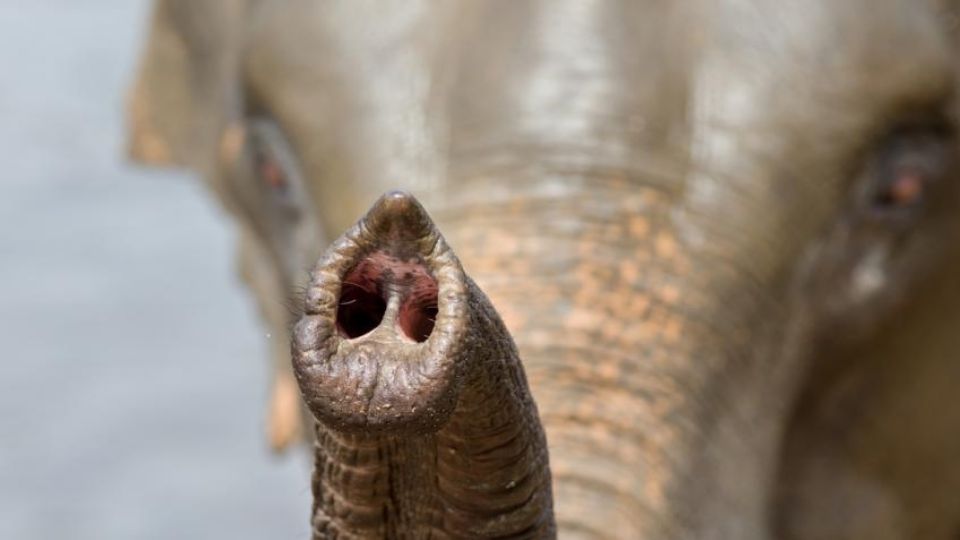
column 632, row 269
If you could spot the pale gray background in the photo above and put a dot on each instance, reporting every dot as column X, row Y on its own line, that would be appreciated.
column 133, row 382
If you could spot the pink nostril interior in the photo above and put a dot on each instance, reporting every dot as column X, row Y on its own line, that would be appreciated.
column 363, row 297
column 418, row 314
column 418, row 310
column 361, row 305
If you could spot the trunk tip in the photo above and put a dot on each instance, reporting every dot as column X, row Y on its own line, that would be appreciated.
column 398, row 214
column 398, row 197
column 379, row 349
column 397, row 203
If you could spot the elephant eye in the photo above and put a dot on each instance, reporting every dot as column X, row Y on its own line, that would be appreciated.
column 273, row 164
column 908, row 169
column 269, row 170
column 904, row 190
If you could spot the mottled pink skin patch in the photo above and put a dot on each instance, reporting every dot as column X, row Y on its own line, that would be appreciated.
column 368, row 286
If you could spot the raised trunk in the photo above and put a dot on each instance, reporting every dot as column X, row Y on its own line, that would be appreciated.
column 426, row 424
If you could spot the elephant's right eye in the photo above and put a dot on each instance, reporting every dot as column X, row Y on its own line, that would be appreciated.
column 904, row 190
column 908, row 170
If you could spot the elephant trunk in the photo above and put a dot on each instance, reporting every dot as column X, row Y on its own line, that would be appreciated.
column 426, row 422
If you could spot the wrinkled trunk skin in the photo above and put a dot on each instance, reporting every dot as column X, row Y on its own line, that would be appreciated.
column 662, row 419
column 671, row 205
column 426, row 423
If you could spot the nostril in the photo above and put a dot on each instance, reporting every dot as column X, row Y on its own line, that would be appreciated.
column 365, row 289
column 361, row 309
column 418, row 314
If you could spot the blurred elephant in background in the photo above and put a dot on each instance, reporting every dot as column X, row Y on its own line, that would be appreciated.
column 723, row 236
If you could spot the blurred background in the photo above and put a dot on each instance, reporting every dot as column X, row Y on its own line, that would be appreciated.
column 133, row 388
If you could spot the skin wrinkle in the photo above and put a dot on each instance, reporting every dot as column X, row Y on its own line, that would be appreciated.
column 458, row 406
column 653, row 196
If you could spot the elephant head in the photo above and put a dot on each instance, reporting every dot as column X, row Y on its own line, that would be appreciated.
column 722, row 235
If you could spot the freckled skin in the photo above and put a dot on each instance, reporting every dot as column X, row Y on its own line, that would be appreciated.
column 667, row 205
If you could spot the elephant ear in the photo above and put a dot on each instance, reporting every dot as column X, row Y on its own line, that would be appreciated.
column 187, row 83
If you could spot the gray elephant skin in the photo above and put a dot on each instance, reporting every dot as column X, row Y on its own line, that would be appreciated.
column 658, row 270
